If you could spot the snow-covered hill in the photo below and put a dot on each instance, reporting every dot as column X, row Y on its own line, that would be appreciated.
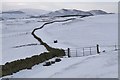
column 89, row 31
column 98, row 12
column 34, row 11
column 63, row 12
column 13, row 12
column 18, row 33
column 76, row 33
column 22, row 13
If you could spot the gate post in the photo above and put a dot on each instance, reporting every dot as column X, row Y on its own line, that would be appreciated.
column 90, row 51
column 115, row 47
column 98, row 49
column 76, row 53
column 83, row 52
column 69, row 53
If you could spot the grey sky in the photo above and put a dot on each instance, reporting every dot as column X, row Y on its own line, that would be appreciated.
column 107, row 6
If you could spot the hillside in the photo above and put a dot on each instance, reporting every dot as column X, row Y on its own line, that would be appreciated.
column 71, row 32
column 78, row 33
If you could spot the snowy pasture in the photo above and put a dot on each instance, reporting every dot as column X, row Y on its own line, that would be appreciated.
column 77, row 33
column 82, row 32
column 17, row 33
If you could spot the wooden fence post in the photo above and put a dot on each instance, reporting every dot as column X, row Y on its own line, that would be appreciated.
column 98, row 49
column 69, row 53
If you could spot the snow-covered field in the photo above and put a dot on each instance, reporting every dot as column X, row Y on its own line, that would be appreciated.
column 89, row 31
column 104, row 65
column 80, row 32
column 17, row 33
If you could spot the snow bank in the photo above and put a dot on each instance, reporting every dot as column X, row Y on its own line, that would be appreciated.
column 104, row 65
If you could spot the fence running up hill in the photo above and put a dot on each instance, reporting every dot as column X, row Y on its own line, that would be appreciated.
column 92, row 50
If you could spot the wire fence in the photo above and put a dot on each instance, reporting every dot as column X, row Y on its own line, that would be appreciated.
column 92, row 50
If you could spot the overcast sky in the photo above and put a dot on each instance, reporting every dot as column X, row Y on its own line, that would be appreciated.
column 107, row 6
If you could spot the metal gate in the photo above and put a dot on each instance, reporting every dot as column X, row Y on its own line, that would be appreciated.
column 79, row 52
column 86, row 51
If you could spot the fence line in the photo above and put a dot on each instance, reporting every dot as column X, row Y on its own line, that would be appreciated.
column 85, row 51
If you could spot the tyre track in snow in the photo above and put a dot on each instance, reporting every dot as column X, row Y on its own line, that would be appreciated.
column 73, row 66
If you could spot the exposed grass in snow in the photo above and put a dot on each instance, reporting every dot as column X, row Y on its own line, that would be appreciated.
column 28, row 63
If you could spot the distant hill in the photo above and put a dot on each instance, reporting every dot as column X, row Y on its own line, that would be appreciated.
column 63, row 12
column 34, row 11
column 97, row 12
column 22, row 13
column 37, row 13
column 13, row 12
